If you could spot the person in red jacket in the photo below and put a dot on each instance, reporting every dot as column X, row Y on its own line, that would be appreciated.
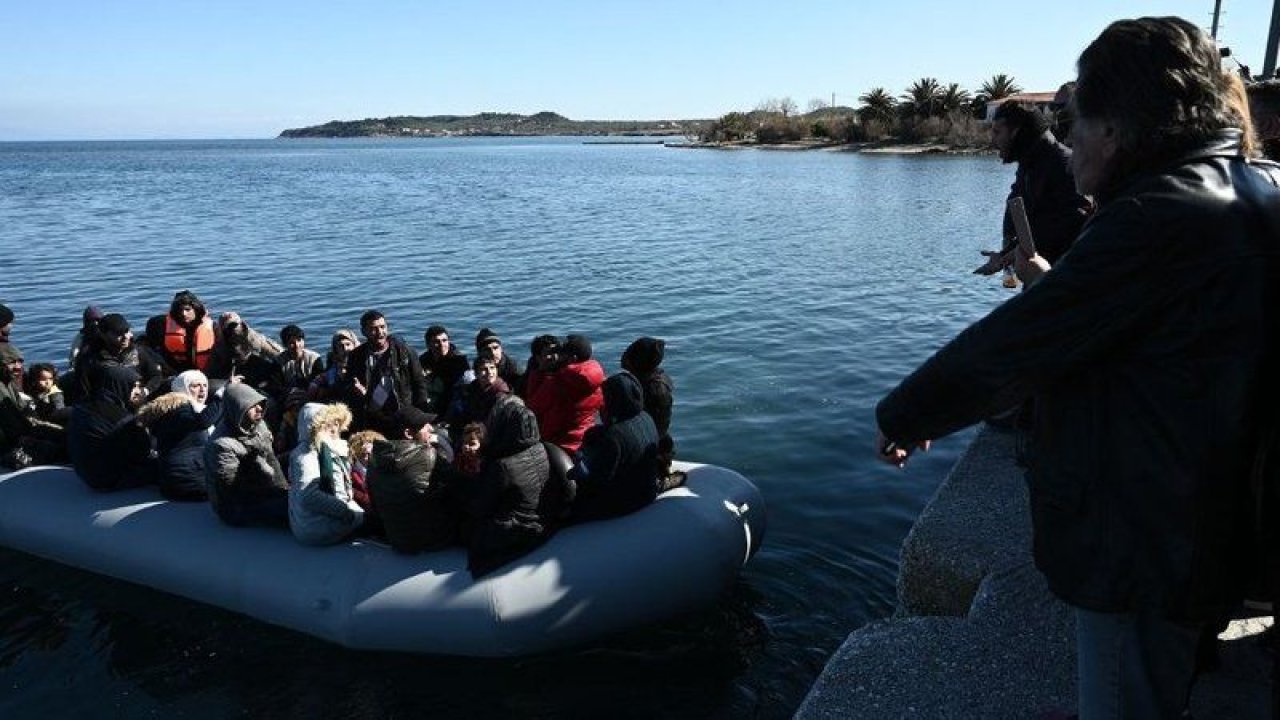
column 565, row 393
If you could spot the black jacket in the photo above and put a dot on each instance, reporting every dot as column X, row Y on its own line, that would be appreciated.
column 505, row 505
column 413, row 504
column 108, row 448
column 443, row 375
column 1149, row 349
column 180, row 434
column 406, row 377
column 618, row 471
column 1055, row 211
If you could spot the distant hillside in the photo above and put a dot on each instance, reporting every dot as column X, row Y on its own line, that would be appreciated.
column 489, row 123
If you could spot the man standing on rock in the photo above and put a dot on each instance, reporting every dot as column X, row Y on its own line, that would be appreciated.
column 1150, row 350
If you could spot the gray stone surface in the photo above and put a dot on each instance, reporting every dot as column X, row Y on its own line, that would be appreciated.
column 977, row 633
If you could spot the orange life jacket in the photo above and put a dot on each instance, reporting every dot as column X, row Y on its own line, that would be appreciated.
column 184, row 354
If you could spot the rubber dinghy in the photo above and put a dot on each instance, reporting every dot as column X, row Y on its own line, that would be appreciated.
column 589, row 581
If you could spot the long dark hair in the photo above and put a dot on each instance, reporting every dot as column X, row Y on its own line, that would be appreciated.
column 1159, row 82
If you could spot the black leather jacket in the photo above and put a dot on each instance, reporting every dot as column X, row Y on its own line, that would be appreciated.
column 1147, row 349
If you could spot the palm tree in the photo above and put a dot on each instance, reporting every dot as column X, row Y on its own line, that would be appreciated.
column 953, row 98
column 877, row 103
column 997, row 88
column 922, row 98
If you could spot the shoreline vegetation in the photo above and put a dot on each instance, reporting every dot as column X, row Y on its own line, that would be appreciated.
column 929, row 118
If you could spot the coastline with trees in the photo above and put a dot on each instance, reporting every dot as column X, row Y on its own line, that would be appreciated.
column 929, row 116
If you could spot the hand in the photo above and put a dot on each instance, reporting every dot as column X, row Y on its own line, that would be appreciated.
column 358, row 387
column 996, row 261
column 235, row 379
column 894, row 454
column 1029, row 268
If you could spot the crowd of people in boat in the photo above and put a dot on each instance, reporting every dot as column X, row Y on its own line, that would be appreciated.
column 423, row 450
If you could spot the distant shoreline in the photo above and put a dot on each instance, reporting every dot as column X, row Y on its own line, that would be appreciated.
column 883, row 147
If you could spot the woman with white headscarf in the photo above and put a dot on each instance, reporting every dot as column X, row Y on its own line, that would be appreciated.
column 180, row 422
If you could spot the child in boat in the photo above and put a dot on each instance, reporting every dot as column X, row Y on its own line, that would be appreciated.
column 47, row 401
column 361, row 445
column 469, row 462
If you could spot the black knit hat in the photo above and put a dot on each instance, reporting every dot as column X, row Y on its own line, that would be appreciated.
column 484, row 336
column 6, row 315
column 113, row 324
column 411, row 418
column 578, row 347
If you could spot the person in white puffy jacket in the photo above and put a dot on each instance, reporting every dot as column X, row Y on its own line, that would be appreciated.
column 322, row 510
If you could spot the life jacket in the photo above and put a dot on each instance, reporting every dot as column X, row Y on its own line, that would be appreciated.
column 179, row 348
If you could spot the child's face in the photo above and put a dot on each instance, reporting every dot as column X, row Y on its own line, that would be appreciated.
column 44, row 381
column 471, row 444
column 487, row 373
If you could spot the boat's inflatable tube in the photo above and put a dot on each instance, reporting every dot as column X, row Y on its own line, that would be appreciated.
column 587, row 582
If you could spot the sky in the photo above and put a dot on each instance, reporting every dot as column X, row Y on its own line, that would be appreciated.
column 168, row 69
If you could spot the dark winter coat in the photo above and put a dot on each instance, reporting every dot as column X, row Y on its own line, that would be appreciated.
column 1151, row 351
column 242, row 472
column 180, row 433
column 407, row 379
column 505, row 506
column 414, row 503
column 642, row 359
column 1055, row 211
column 617, row 472
column 443, row 376
column 109, row 449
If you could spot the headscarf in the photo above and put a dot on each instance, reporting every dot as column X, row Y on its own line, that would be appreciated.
column 182, row 383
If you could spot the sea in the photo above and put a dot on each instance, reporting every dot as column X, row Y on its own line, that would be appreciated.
column 793, row 290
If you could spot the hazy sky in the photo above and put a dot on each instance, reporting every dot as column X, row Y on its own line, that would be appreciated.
column 91, row 69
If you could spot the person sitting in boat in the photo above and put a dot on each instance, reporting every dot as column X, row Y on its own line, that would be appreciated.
column 48, row 403
column 408, row 487
column 14, row 423
column 617, row 469
column 480, row 395
column 360, row 445
column 642, row 358
column 231, row 326
column 544, row 358
column 255, row 369
column 488, row 341
column 565, row 393
column 298, row 365
column 469, row 461
column 113, row 344
column 245, row 482
column 181, row 422
column 326, row 387
column 88, row 327
column 505, row 505
column 321, row 508
column 382, row 376
column 109, row 449
column 445, row 368
column 189, row 336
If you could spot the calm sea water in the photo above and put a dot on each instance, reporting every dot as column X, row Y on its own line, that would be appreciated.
column 793, row 290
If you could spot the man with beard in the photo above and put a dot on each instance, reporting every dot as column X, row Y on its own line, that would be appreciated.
column 1055, row 210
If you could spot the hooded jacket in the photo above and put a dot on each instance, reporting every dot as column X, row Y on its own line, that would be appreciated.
column 618, row 468
column 566, row 402
column 321, row 508
column 1151, row 351
column 411, row 499
column 505, row 505
column 642, row 359
column 108, row 448
column 180, row 431
column 241, row 468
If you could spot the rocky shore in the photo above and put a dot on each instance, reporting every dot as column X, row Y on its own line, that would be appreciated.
column 977, row 633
